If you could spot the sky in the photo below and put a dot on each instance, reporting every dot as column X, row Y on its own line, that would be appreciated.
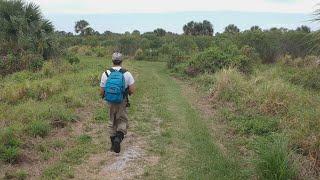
column 146, row 15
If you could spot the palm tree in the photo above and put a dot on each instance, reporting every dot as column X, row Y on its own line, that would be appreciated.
column 232, row 29
column 315, row 42
column 81, row 27
column 160, row 32
column 255, row 28
column 198, row 28
column 23, row 27
column 304, row 29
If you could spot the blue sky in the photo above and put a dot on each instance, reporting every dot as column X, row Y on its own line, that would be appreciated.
column 146, row 15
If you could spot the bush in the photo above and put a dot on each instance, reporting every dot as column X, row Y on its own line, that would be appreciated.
column 39, row 128
column 100, row 51
column 32, row 61
column 72, row 58
column 175, row 57
column 139, row 55
column 308, row 78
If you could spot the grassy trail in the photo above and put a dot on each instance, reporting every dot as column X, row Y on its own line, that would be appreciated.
column 168, row 137
column 173, row 139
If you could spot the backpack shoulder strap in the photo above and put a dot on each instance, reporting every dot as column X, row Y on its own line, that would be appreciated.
column 122, row 70
column 111, row 70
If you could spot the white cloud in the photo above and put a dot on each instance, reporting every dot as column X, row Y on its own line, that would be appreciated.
column 158, row 6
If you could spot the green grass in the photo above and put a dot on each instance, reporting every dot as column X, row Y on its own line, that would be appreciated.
column 183, row 135
column 36, row 104
column 266, row 104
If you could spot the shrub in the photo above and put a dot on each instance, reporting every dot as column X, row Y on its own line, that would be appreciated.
column 33, row 62
column 72, row 58
column 307, row 77
column 176, row 57
column 227, row 55
column 230, row 85
column 139, row 55
column 39, row 128
column 210, row 60
column 151, row 54
column 100, row 51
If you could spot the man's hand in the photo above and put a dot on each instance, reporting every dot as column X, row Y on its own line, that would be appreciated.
column 132, row 88
column 102, row 94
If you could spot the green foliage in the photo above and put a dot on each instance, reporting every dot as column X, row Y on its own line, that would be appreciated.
column 82, row 27
column 128, row 45
column 24, row 29
column 72, row 58
column 139, row 55
column 308, row 78
column 160, row 32
column 274, row 160
column 175, row 57
column 215, row 58
column 198, row 28
column 231, row 29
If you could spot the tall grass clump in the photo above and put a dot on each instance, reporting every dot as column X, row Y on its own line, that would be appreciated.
column 39, row 128
column 274, row 159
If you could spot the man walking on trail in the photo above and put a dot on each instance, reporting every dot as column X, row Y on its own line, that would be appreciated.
column 116, row 85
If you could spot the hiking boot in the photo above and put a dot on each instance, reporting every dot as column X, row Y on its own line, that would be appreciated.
column 117, row 141
column 112, row 142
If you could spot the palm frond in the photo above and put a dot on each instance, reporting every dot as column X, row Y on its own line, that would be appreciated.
column 32, row 12
column 47, row 26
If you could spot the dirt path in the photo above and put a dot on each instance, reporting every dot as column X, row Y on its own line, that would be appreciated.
column 129, row 164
